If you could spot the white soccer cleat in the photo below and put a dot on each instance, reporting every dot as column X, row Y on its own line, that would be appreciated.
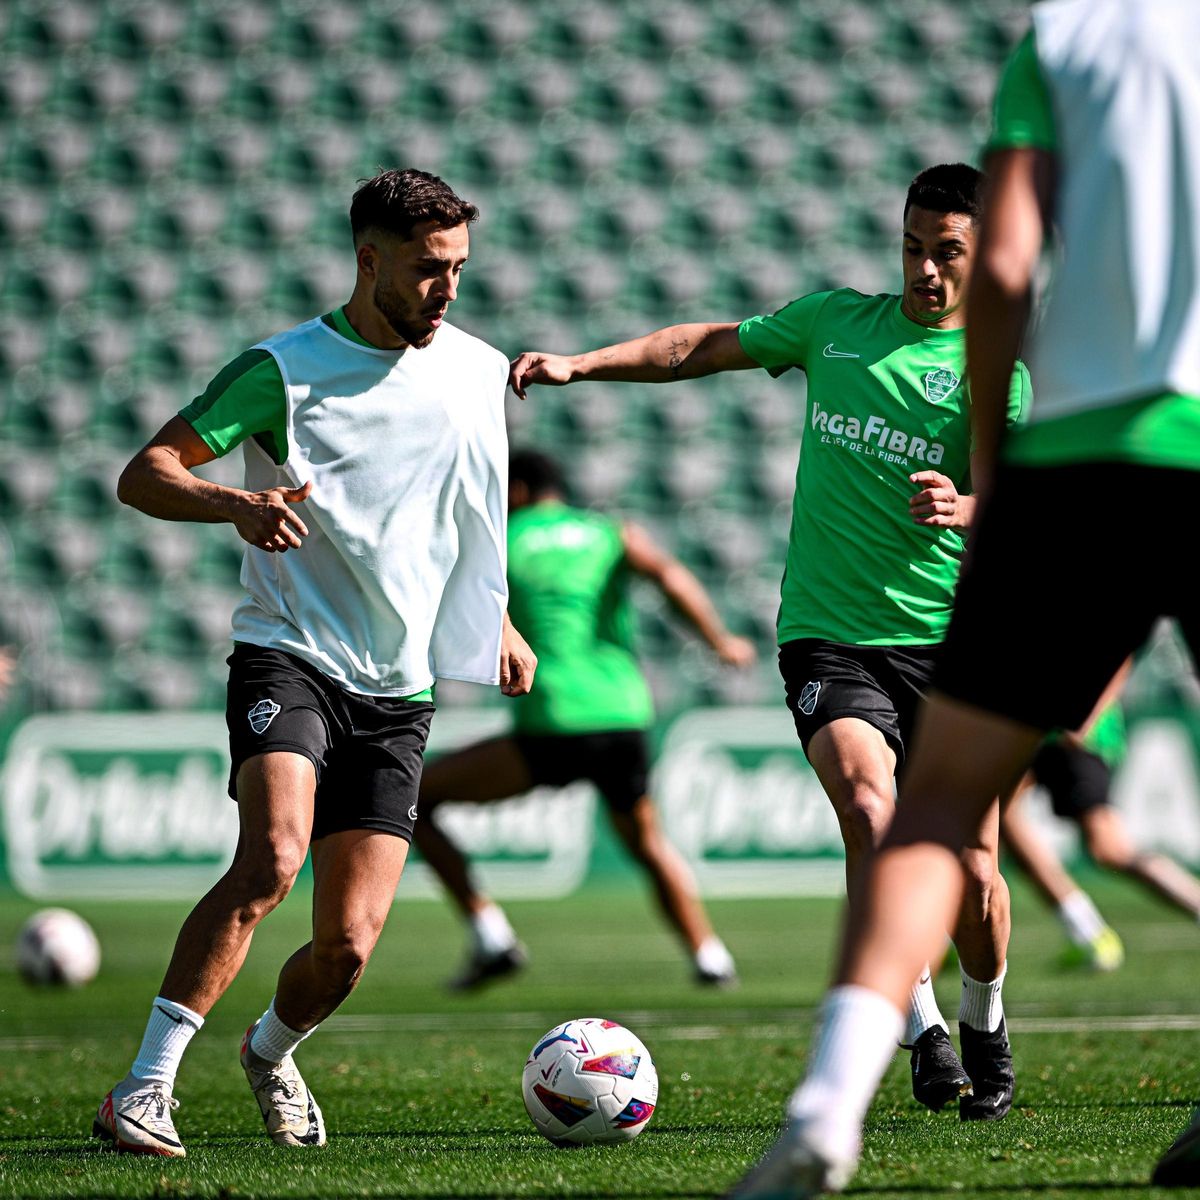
column 136, row 1118
column 795, row 1168
column 287, row 1106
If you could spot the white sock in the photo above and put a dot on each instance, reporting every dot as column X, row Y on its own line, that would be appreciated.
column 713, row 957
column 273, row 1041
column 981, row 1006
column 923, row 1011
column 491, row 930
column 855, row 1040
column 170, row 1028
column 1080, row 918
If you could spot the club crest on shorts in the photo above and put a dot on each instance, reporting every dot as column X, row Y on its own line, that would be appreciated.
column 262, row 714
column 939, row 384
column 808, row 698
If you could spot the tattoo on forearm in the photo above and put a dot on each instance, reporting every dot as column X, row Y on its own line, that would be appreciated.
column 675, row 360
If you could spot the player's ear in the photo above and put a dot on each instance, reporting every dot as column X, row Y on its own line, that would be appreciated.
column 367, row 254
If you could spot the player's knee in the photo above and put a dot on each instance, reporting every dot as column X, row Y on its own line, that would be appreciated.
column 342, row 956
column 864, row 815
column 979, row 871
column 265, row 875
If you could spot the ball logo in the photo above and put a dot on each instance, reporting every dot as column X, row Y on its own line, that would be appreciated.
column 262, row 714
column 808, row 698
column 939, row 384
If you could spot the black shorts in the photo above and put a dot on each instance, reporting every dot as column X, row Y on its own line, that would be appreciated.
column 882, row 685
column 616, row 762
column 367, row 750
column 1077, row 780
column 1065, row 577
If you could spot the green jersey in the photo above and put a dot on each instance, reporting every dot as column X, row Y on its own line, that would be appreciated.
column 886, row 399
column 246, row 399
column 568, row 595
column 1161, row 429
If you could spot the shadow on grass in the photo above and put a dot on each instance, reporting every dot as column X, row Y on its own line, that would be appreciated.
column 1082, row 1185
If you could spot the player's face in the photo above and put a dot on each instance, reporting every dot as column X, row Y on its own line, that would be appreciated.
column 417, row 280
column 938, row 251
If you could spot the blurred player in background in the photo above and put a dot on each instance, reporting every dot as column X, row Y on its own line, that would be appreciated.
column 1098, row 131
column 384, row 427
column 1076, row 770
column 568, row 576
column 881, row 507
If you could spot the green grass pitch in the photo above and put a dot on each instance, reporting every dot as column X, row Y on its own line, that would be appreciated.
column 421, row 1090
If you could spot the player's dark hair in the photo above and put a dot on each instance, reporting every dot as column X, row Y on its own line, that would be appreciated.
column 395, row 201
column 947, row 188
column 537, row 471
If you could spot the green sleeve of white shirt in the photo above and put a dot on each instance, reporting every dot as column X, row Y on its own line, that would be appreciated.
column 780, row 340
column 1023, row 116
column 245, row 399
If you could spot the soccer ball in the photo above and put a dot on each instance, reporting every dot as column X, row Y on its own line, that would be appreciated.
column 589, row 1080
column 57, row 946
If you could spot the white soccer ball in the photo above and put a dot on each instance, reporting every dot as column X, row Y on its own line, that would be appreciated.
column 589, row 1080
column 57, row 946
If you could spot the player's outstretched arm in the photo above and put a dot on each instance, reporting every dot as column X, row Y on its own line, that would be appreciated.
column 517, row 661
column 159, row 482
column 677, row 352
column 686, row 595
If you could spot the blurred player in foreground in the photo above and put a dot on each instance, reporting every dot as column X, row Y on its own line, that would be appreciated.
column 1098, row 130
column 384, row 427
column 568, row 576
column 882, row 502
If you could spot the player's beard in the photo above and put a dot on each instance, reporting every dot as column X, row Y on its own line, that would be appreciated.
column 406, row 322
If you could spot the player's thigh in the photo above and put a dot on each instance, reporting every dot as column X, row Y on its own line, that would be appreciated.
column 490, row 770
column 355, row 876
column 853, row 761
column 276, row 795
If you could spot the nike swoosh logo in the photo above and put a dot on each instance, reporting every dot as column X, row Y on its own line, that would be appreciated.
column 412, row 813
column 165, row 1013
column 158, row 1137
column 830, row 352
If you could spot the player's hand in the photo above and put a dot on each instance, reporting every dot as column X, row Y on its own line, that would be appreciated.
column 264, row 519
column 517, row 662
column 533, row 367
column 939, row 502
column 736, row 651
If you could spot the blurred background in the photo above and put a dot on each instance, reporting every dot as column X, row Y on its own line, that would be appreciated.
column 174, row 185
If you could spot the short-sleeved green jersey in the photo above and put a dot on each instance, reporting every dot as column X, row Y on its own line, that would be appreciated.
column 246, row 399
column 886, row 399
column 568, row 595
column 1159, row 430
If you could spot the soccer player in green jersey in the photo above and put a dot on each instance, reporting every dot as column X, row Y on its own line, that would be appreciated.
column 883, row 499
column 569, row 572
column 1097, row 133
column 373, row 518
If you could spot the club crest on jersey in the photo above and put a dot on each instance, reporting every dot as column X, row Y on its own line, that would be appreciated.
column 808, row 698
column 262, row 714
column 939, row 384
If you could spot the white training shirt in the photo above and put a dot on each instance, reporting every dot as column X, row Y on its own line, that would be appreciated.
column 1123, row 317
column 401, row 579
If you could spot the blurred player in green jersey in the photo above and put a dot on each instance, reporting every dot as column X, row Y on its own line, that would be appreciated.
column 1097, row 134
column 568, row 575
column 883, row 500
column 1076, row 770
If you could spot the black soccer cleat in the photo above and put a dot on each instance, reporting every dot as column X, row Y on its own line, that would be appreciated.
column 937, row 1075
column 987, row 1058
column 481, row 969
column 1179, row 1167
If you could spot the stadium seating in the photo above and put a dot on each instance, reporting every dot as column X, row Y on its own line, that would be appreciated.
column 174, row 179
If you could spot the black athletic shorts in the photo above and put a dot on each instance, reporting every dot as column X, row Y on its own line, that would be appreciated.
column 1076, row 779
column 882, row 685
column 616, row 762
column 367, row 750
column 1065, row 577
